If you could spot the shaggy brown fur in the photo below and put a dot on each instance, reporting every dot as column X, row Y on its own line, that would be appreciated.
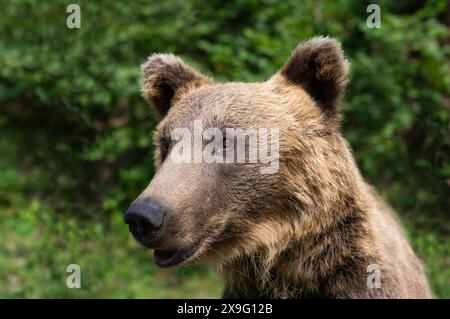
column 308, row 231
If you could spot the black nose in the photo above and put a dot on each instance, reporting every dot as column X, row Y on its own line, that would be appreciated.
column 144, row 218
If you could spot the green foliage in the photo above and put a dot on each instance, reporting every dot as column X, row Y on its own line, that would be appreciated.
column 77, row 137
column 38, row 244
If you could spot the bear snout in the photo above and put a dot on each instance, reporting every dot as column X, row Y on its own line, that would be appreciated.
column 144, row 219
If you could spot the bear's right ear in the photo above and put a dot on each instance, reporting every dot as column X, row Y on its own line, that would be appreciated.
column 165, row 74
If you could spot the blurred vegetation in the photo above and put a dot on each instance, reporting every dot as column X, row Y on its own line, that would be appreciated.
column 76, row 137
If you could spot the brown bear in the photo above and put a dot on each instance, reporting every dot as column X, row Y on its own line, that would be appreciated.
column 312, row 229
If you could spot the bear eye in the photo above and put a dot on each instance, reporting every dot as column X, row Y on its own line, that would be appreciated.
column 227, row 144
column 164, row 147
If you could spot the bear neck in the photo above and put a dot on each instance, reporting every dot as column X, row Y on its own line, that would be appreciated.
column 324, row 254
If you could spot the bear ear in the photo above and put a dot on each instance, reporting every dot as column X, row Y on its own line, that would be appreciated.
column 163, row 75
column 320, row 68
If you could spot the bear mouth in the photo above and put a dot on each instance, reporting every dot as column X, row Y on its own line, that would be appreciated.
column 167, row 258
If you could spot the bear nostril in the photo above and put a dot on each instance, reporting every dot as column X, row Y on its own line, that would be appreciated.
column 135, row 228
column 144, row 219
column 140, row 227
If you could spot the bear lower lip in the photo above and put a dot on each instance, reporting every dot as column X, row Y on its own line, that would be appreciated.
column 167, row 258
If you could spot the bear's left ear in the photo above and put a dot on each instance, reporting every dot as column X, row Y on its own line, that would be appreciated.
column 320, row 68
column 164, row 75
